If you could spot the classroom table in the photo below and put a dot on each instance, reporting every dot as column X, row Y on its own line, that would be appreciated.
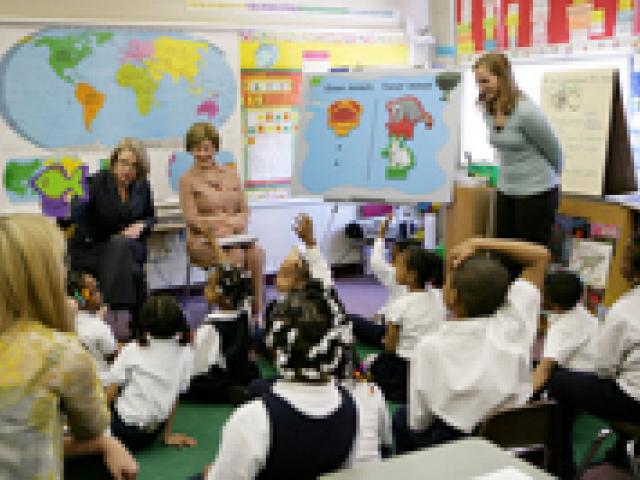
column 461, row 460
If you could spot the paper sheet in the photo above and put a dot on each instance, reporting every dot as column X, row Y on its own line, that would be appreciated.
column 507, row 473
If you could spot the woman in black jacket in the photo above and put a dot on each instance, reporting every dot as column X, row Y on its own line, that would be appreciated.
column 112, row 226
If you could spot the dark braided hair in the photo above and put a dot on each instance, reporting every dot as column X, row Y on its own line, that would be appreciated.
column 234, row 284
column 307, row 335
column 162, row 317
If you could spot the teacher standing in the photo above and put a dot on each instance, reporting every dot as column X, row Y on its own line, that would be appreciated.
column 530, row 153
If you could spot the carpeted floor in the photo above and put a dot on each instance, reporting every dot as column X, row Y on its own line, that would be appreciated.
column 204, row 422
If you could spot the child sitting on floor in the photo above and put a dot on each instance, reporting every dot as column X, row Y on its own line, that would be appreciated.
column 612, row 390
column 571, row 330
column 151, row 373
column 222, row 368
column 371, row 331
column 306, row 425
column 296, row 269
column 412, row 315
column 94, row 334
column 479, row 360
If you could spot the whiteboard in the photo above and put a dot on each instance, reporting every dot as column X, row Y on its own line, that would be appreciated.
column 70, row 93
column 390, row 135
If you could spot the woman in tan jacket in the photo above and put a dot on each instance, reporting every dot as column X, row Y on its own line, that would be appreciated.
column 211, row 197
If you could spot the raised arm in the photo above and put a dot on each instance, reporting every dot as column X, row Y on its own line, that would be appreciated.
column 533, row 257
column 384, row 272
column 318, row 266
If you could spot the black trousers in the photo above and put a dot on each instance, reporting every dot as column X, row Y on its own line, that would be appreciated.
column 131, row 436
column 86, row 466
column 578, row 392
column 407, row 440
column 390, row 372
column 529, row 217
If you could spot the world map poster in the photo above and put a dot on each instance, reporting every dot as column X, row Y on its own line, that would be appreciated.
column 391, row 136
column 68, row 95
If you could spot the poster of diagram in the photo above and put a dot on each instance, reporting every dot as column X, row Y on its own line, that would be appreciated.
column 390, row 136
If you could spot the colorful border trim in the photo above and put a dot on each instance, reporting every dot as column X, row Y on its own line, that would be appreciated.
column 290, row 7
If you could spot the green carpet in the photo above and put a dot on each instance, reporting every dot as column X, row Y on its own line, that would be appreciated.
column 203, row 422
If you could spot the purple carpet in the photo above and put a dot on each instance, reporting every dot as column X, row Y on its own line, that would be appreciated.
column 362, row 295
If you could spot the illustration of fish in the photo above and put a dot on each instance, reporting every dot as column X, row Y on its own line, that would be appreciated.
column 53, row 183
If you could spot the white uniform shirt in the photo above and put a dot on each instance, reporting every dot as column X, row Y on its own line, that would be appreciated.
column 374, row 424
column 152, row 376
column 617, row 347
column 416, row 313
column 386, row 274
column 569, row 339
column 469, row 368
column 208, row 347
column 318, row 267
column 96, row 336
column 245, row 439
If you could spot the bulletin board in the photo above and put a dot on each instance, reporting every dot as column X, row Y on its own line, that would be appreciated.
column 487, row 25
column 272, row 69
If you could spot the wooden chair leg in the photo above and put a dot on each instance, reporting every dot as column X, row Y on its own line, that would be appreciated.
column 633, row 461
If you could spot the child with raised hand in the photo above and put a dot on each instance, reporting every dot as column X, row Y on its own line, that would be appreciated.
column 480, row 359
column 571, row 331
column 371, row 331
column 222, row 367
column 411, row 316
column 151, row 373
column 94, row 334
column 306, row 425
column 298, row 267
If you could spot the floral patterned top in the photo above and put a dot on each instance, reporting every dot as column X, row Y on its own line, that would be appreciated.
column 44, row 374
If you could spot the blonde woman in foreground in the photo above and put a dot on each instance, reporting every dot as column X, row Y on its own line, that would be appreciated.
column 44, row 371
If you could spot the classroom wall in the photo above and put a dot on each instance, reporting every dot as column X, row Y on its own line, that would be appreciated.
column 212, row 12
column 270, row 221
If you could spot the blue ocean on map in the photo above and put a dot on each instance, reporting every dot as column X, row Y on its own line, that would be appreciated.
column 407, row 125
column 65, row 87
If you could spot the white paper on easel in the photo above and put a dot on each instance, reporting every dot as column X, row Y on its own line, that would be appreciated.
column 578, row 104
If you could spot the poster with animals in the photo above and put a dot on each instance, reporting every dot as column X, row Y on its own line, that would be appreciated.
column 392, row 136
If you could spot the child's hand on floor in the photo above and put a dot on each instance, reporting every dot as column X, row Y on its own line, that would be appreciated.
column 179, row 440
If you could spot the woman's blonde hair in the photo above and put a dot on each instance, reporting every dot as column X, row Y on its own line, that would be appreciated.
column 199, row 132
column 139, row 150
column 32, row 272
column 508, row 92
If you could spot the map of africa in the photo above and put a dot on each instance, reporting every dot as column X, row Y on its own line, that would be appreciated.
column 375, row 136
column 91, row 87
